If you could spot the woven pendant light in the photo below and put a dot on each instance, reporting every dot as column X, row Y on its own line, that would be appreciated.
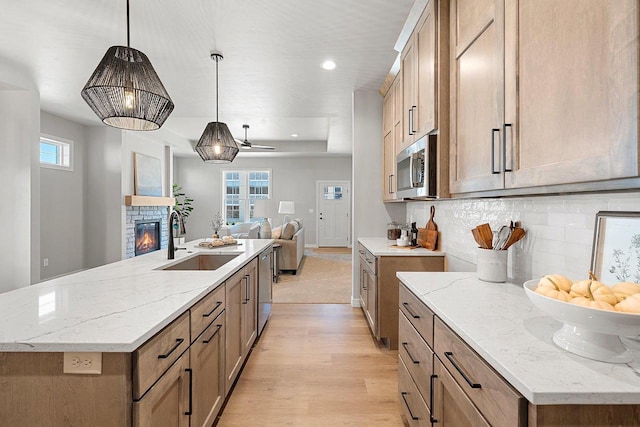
column 125, row 91
column 216, row 145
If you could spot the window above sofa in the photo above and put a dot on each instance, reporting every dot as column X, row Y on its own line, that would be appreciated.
column 241, row 188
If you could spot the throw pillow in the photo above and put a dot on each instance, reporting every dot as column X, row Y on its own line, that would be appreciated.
column 299, row 221
column 276, row 232
column 289, row 230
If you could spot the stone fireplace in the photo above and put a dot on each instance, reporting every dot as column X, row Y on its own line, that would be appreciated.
column 145, row 229
column 147, row 237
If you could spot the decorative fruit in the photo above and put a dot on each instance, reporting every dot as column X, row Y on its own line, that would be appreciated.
column 550, row 292
column 586, row 302
column 630, row 304
column 625, row 289
column 556, row 281
column 580, row 288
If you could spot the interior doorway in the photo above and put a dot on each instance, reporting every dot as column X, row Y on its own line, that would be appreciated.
column 333, row 202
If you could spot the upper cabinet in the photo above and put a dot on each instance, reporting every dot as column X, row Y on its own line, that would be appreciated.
column 391, row 125
column 418, row 70
column 543, row 92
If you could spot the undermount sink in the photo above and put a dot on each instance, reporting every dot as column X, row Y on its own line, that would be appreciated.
column 202, row 262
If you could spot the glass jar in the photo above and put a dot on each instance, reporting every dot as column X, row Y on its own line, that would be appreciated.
column 393, row 231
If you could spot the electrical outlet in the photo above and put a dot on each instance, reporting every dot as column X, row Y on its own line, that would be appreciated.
column 45, row 262
column 82, row 363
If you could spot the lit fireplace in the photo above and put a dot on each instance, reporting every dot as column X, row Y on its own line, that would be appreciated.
column 147, row 237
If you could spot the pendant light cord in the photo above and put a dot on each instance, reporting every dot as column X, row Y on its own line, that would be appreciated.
column 128, row 35
column 216, row 87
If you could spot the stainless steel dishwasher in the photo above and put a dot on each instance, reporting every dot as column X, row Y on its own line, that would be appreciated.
column 265, row 280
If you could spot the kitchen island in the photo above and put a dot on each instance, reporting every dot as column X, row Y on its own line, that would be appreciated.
column 514, row 338
column 125, row 316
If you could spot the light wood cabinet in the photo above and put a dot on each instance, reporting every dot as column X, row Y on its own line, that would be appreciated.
column 241, row 318
column 391, row 134
column 571, row 97
column 250, row 307
column 452, row 407
column 418, row 68
column 379, row 289
column 543, row 93
column 169, row 402
column 208, row 368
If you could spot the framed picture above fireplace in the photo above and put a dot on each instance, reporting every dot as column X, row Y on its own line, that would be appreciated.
column 147, row 175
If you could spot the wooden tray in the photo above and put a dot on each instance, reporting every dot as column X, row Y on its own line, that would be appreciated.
column 209, row 245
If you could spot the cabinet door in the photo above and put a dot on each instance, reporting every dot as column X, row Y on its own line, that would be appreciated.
column 389, row 167
column 409, row 102
column 234, row 354
column 452, row 407
column 425, row 39
column 397, row 114
column 372, row 302
column 477, row 94
column 572, row 91
column 387, row 111
column 167, row 403
column 250, row 307
column 207, row 364
column 363, row 286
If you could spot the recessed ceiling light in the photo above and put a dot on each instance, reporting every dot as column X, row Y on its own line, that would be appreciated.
column 329, row 65
column 294, row 135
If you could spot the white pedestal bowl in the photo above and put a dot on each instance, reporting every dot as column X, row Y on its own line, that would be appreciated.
column 588, row 332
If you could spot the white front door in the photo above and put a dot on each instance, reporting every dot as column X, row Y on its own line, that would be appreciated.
column 334, row 206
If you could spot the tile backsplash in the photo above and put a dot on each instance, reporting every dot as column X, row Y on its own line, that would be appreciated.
column 559, row 229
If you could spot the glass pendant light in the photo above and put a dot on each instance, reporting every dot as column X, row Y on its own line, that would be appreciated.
column 125, row 91
column 216, row 145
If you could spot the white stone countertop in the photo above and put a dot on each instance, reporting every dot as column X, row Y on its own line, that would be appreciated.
column 379, row 246
column 112, row 308
column 499, row 322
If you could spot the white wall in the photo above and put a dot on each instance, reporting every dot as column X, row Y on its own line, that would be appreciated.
column 19, row 127
column 292, row 179
column 62, row 203
column 104, row 204
column 370, row 214
column 559, row 230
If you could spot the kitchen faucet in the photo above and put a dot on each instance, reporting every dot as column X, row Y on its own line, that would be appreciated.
column 175, row 215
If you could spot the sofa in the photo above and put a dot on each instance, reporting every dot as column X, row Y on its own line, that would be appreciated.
column 291, row 250
column 241, row 230
column 290, row 239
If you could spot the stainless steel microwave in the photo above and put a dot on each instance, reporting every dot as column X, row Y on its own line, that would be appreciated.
column 416, row 170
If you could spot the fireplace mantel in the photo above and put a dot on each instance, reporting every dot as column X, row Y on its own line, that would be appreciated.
column 133, row 200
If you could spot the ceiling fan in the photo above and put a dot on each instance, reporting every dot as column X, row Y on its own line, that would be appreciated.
column 246, row 145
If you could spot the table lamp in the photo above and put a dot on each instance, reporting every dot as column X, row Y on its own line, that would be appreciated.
column 286, row 208
column 261, row 210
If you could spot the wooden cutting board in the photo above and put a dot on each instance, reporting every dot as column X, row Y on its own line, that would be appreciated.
column 431, row 238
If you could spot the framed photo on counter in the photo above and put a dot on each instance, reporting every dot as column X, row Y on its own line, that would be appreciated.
column 615, row 255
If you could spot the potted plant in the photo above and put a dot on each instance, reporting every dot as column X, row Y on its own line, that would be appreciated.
column 216, row 224
column 182, row 205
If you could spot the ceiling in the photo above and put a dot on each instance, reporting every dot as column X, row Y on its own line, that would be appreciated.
column 271, row 76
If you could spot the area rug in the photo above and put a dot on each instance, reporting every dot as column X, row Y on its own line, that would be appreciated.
column 323, row 278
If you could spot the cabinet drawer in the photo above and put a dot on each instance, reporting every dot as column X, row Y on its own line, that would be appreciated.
column 416, row 355
column 366, row 257
column 418, row 314
column 205, row 310
column 156, row 355
column 413, row 406
column 499, row 403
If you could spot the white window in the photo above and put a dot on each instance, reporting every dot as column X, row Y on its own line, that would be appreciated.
column 240, row 190
column 56, row 153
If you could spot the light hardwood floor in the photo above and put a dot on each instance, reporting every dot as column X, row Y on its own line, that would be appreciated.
column 316, row 365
